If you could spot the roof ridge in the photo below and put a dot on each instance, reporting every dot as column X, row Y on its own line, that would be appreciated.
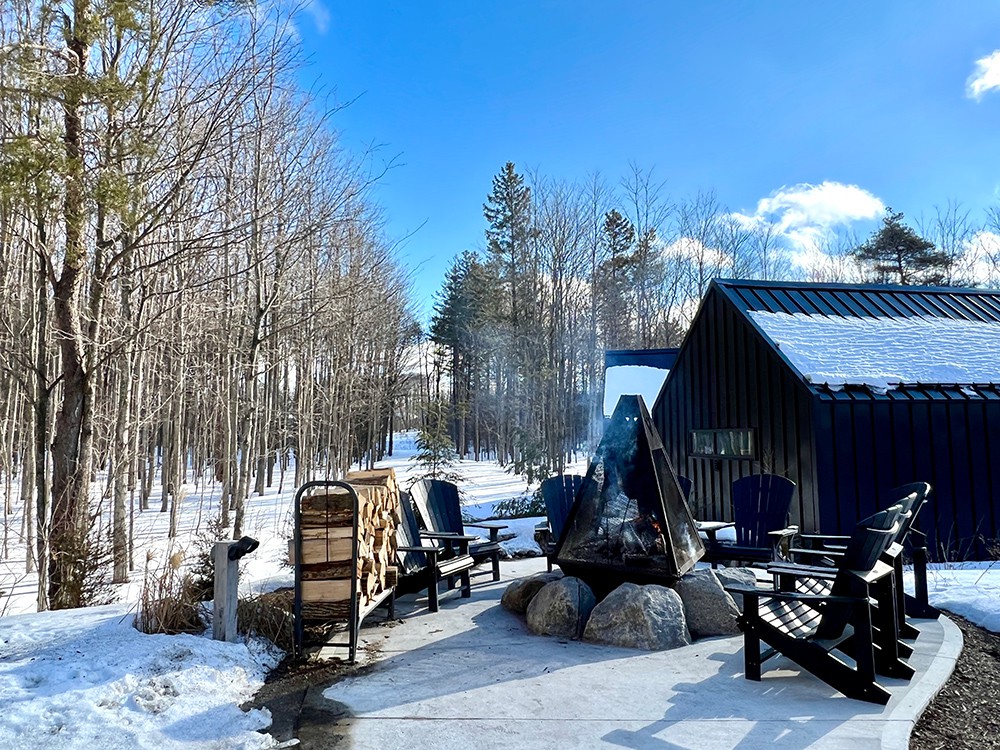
column 848, row 286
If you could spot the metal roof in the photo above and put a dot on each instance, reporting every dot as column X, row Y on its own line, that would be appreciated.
column 914, row 392
column 863, row 300
column 660, row 358
column 870, row 301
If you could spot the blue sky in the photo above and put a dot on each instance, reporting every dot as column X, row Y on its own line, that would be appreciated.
column 822, row 111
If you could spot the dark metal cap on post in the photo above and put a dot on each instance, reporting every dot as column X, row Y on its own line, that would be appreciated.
column 244, row 546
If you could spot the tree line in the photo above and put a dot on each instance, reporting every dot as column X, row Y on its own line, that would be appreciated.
column 570, row 270
column 195, row 282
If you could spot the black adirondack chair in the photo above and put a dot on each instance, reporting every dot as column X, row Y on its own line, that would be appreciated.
column 810, row 629
column 558, row 492
column 440, row 510
column 826, row 550
column 760, row 515
column 424, row 564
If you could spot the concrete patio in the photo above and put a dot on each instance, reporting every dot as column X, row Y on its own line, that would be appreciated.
column 472, row 676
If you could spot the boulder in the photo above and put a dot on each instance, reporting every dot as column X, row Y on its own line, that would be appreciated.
column 561, row 608
column 709, row 608
column 519, row 594
column 646, row 617
column 736, row 577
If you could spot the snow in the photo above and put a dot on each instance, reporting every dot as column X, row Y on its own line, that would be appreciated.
column 632, row 379
column 886, row 352
column 968, row 589
column 87, row 678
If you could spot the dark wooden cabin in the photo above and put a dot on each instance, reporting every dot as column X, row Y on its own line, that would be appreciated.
column 739, row 400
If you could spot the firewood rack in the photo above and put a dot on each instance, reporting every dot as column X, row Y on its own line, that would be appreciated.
column 357, row 613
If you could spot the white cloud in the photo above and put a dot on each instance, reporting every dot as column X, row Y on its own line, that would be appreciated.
column 319, row 13
column 985, row 77
column 823, row 206
column 690, row 248
column 807, row 216
column 979, row 258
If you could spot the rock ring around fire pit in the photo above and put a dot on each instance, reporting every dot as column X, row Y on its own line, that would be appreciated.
column 650, row 617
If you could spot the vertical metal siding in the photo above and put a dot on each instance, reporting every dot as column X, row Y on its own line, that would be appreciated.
column 726, row 376
column 845, row 450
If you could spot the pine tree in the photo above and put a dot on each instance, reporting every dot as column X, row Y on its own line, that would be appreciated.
column 614, row 279
column 508, row 212
column 457, row 325
column 509, row 252
column 436, row 454
column 897, row 254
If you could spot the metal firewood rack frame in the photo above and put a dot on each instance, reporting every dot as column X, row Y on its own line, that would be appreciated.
column 357, row 613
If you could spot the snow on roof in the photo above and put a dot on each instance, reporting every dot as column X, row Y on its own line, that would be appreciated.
column 886, row 352
column 632, row 379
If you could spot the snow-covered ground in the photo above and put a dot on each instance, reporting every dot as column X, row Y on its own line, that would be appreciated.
column 87, row 678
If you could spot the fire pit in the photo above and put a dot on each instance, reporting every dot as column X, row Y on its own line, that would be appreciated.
column 629, row 521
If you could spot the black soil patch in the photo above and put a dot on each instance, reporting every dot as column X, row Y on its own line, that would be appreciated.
column 965, row 715
column 293, row 693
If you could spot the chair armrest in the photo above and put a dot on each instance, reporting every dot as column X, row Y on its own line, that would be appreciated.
column 794, row 596
column 493, row 526
column 781, row 540
column 447, row 536
column 782, row 533
column 451, row 541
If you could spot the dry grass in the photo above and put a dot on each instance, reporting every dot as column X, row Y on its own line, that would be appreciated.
column 169, row 602
column 268, row 616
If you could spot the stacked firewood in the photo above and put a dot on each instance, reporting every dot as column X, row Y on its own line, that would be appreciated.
column 327, row 544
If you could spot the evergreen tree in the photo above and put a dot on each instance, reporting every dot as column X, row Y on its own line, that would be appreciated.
column 896, row 254
column 520, row 357
column 436, row 454
column 613, row 283
column 457, row 327
column 508, row 212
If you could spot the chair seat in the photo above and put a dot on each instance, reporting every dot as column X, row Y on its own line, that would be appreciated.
column 455, row 565
column 795, row 618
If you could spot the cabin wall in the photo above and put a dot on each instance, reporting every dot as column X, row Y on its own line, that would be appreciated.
column 727, row 376
column 866, row 446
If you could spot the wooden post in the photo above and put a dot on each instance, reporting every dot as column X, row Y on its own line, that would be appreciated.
column 226, row 578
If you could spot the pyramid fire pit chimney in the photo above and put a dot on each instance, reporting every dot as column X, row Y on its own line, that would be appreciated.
column 629, row 520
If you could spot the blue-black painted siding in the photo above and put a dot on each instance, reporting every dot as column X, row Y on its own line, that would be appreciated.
column 727, row 376
column 844, row 449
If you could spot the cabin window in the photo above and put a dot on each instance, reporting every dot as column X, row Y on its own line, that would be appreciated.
column 730, row 443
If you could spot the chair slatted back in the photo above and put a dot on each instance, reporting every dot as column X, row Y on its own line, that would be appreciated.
column 558, row 492
column 760, row 505
column 868, row 541
column 408, row 535
column 439, row 505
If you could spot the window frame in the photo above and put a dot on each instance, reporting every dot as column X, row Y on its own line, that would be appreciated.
column 696, row 439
